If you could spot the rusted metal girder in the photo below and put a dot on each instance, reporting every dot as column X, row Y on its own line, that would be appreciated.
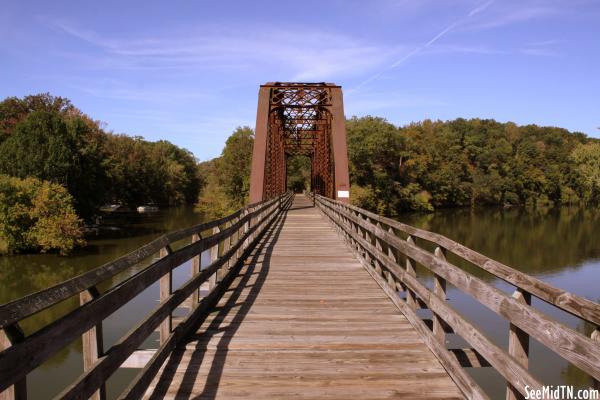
column 300, row 119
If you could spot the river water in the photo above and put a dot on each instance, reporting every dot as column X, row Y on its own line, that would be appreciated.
column 560, row 246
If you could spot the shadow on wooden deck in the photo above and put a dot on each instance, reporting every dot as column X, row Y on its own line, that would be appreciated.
column 259, row 264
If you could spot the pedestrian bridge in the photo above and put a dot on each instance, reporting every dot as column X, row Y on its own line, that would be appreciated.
column 304, row 297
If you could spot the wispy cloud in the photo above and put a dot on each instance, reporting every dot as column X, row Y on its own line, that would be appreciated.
column 477, row 10
column 544, row 48
column 511, row 14
column 466, row 49
column 302, row 54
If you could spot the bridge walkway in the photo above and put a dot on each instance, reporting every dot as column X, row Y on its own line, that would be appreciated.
column 303, row 319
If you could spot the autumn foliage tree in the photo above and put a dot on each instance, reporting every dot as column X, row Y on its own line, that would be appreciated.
column 47, row 138
column 37, row 215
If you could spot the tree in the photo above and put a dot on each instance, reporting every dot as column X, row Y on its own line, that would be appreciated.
column 37, row 215
column 14, row 110
column 434, row 164
column 150, row 172
column 48, row 146
column 227, row 178
column 376, row 151
column 587, row 167
column 466, row 162
column 235, row 164
column 298, row 173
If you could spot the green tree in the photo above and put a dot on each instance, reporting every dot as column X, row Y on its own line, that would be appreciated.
column 14, row 110
column 586, row 158
column 465, row 162
column 227, row 178
column 48, row 146
column 298, row 173
column 37, row 215
column 234, row 166
column 376, row 153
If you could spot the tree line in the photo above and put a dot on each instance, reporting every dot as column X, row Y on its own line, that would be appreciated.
column 433, row 164
column 57, row 166
column 461, row 163
column 46, row 141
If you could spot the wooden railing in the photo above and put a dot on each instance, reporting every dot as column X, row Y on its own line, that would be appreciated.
column 230, row 241
column 390, row 251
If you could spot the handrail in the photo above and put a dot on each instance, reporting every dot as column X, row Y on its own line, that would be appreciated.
column 33, row 303
column 377, row 244
column 566, row 301
column 235, row 235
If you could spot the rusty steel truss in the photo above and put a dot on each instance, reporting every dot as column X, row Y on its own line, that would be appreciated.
column 300, row 119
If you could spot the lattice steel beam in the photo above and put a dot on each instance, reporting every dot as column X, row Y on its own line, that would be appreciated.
column 305, row 119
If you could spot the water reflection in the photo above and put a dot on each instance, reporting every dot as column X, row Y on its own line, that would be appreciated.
column 533, row 241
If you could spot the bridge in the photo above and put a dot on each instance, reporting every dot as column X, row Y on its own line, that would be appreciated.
column 304, row 295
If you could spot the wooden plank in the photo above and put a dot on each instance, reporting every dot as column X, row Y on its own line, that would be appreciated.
column 166, row 289
column 469, row 358
column 140, row 383
column 568, row 343
column 92, row 342
column 569, row 302
column 284, row 331
column 214, row 254
column 19, row 359
column 518, row 345
column 595, row 336
column 439, row 289
column 196, row 261
column 467, row 385
column 410, row 269
column 8, row 336
column 499, row 359
column 119, row 353
column 87, row 383
column 138, row 359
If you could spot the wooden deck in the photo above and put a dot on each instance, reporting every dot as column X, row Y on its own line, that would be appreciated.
column 303, row 320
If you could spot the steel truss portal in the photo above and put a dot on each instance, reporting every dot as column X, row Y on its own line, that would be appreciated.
column 300, row 119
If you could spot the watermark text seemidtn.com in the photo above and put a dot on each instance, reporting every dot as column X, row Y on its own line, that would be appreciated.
column 561, row 392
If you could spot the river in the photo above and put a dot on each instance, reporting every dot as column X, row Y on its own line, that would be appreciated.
column 560, row 246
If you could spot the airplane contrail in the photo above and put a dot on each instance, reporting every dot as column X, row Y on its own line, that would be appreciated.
column 431, row 41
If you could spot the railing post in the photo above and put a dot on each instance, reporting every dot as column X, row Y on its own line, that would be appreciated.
column 518, row 345
column 246, row 229
column 365, row 234
column 240, row 234
column 379, row 247
column 393, row 256
column 410, row 270
column 596, row 337
column 166, row 289
column 227, row 246
column 439, row 289
column 232, row 242
column 9, row 336
column 214, row 255
column 92, row 341
column 195, row 299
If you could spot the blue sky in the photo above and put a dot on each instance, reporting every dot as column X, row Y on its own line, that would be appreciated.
column 189, row 71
